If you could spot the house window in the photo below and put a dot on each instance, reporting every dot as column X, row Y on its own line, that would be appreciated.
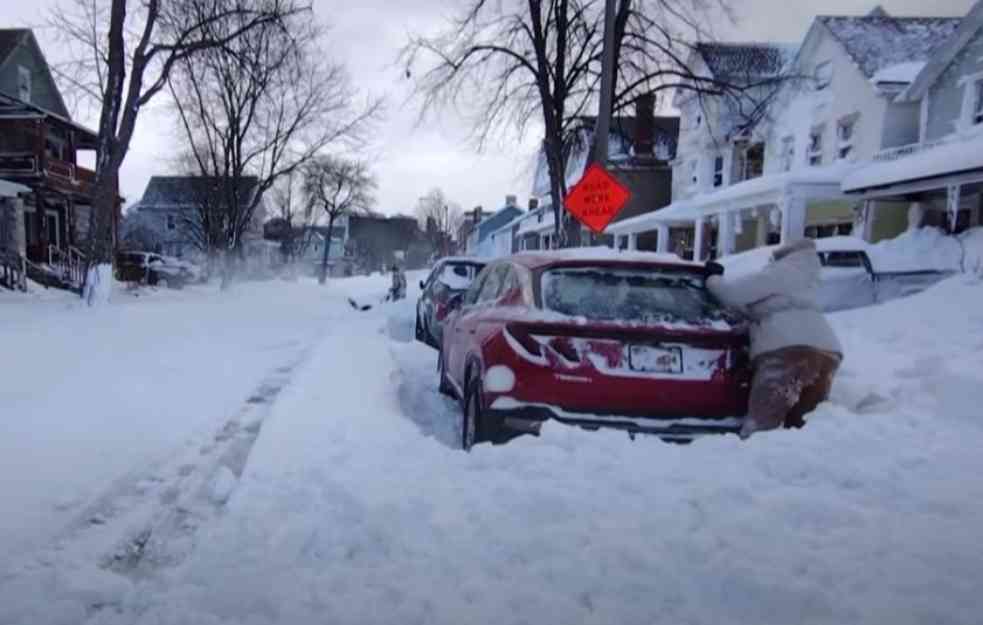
column 788, row 153
column 24, row 83
column 754, row 161
column 978, row 103
column 846, row 129
column 822, row 231
column 824, row 75
column 171, row 222
column 814, row 155
column 718, row 171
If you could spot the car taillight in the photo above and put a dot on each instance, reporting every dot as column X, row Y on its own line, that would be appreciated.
column 522, row 339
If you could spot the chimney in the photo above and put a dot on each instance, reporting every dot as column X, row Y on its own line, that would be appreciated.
column 644, row 125
column 533, row 204
column 511, row 201
column 878, row 11
column 477, row 215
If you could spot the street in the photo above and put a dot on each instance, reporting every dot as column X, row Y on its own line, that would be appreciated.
column 318, row 479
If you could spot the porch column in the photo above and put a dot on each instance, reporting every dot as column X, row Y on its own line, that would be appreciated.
column 793, row 219
column 20, row 232
column 761, row 233
column 662, row 242
column 633, row 241
column 952, row 202
column 698, row 240
column 867, row 220
column 725, row 234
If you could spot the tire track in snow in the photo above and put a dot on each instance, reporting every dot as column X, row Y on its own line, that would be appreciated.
column 147, row 521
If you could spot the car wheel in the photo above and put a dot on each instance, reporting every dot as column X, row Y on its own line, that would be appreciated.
column 444, row 386
column 471, row 416
column 419, row 328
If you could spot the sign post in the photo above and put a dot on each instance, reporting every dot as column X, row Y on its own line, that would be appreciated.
column 597, row 198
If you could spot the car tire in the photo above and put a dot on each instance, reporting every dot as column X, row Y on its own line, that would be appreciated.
column 419, row 328
column 443, row 385
column 471, row 415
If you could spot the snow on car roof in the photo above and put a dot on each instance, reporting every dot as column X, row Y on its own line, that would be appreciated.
column 463, row 259
column 601, row 253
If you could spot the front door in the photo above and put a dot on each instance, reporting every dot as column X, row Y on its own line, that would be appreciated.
column 53, row 227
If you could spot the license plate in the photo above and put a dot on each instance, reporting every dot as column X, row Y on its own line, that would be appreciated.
column 649, row 359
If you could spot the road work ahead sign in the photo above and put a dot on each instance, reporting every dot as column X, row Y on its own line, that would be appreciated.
column 597, row 198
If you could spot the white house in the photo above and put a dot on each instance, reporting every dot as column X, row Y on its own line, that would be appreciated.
column 937, row 177
column 782, row 179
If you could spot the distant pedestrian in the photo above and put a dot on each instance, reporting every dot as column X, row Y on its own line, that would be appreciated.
column 794, row 350
column 398, row 289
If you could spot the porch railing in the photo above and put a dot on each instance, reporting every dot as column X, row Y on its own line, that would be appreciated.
column 69, row 263
column 18, row 163
column 893, row 154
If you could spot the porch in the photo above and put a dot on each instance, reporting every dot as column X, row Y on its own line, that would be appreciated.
column 770, row 209
column 938, row 183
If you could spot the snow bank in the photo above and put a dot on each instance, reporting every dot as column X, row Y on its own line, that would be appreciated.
column 972, row 241
column 916, row 250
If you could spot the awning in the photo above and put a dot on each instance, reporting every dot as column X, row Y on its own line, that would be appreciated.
column 12, row 189
column 951, row 158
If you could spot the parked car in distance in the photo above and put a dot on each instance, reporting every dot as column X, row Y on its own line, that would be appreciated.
column 627, row 341
column 450, row 276
column 155, row 269
column 850, row 280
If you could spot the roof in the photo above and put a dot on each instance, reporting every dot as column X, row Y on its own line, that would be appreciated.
column 945, row 54
column 949, row 158
column 753, row 59
column 496, row 221
column 187, row 190
column 11, row 106
column 12, row 189
column 876, row 42
column 591, row 255
column 468, row 260
column 10, row 38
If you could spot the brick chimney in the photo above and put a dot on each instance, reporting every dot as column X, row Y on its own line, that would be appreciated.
column 511, row 201
column 533, row 204
column 477, row 215
column 644, row 124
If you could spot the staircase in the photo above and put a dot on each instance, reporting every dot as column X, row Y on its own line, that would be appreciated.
column 65, row 269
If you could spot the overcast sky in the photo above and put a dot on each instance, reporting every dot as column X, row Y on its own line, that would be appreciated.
column 408, row 159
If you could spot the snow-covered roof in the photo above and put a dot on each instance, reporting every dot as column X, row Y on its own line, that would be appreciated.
column 949, row 158
column 944, row 55
column 533, row 222
column 876, row 42
column 752, row 59
column 606, row 253
column 681, row 211
column 12, row 189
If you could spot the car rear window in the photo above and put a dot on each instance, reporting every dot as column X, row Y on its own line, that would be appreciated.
column 640, row 296
column 458, row 276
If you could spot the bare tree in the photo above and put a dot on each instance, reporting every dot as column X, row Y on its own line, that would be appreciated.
column 524, row 63
column 292, row 209
column 438, row 217
column 260, row 108
column 125, row 51
column 337, row 187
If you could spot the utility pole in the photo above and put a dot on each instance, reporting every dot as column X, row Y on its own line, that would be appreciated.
column 603, row 127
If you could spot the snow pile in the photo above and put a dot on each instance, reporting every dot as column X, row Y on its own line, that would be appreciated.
column 972, row 242
column 355, row 506
column 917, row 250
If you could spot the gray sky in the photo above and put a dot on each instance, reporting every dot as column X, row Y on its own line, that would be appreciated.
column 409, row 159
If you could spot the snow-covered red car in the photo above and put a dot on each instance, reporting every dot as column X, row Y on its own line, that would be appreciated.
column 593, row 338
column 450, row 276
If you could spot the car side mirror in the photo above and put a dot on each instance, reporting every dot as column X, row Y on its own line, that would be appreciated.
column 423, row 285
column 455, row 302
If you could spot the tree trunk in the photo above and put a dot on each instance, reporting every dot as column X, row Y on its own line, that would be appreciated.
column 323, row 277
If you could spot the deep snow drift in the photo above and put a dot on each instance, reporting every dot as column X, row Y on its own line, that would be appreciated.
column 354, row 506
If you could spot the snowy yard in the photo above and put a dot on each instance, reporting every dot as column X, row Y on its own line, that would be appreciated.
column 270, row 455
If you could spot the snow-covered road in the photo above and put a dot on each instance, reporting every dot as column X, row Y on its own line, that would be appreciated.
column 354, row 507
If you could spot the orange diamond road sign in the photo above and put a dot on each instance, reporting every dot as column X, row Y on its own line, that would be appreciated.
column 597, row 198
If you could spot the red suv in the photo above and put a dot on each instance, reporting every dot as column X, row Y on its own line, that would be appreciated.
column 627, row 341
